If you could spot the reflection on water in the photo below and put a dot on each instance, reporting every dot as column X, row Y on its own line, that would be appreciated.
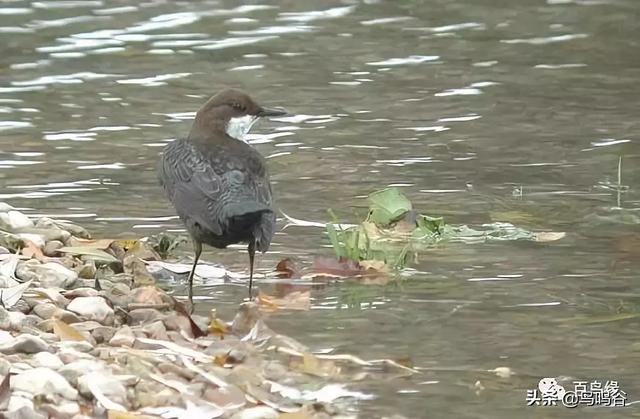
column 475, row 108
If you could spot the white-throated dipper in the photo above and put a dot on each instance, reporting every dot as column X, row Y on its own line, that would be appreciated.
column 219, row 184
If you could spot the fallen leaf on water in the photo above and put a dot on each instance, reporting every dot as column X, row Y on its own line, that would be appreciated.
column 266, row 302
column 405, row 362
column 548, row 236
column 297, row 300
column 388, row 205
column 374, row 272
column 376, row 266
column 314, row 366
column 31, row 250
column 341, row 267
column 331, row 392
column 347, row 358
column 286, row 269
column 10, row 296
column 66, row 332
column 90, row 252
column 218, row 327
column 202, row 270
column 503, row 372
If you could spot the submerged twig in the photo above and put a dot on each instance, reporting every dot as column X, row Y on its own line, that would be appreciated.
column 345, row 357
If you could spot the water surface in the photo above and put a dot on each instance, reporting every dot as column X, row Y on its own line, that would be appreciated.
column 474, row 108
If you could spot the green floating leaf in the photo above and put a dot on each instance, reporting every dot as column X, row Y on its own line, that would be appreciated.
column 394, row 233
column 387, row 206
column 95, row 254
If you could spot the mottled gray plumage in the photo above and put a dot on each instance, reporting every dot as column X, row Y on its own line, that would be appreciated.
column 219, row 185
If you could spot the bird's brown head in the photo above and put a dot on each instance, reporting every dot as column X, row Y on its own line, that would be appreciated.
column 231, row 111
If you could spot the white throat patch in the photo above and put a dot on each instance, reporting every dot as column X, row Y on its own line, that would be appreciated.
column 239, row 127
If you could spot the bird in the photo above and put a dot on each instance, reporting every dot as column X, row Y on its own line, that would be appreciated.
column 218, row 183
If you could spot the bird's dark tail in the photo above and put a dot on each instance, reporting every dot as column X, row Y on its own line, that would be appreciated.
column 259, row 217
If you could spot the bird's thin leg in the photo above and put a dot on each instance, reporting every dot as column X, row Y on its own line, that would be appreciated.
column 252, row 253
column 197, row 247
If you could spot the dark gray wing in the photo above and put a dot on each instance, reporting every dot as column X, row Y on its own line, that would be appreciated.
column 191, row 185
column 209, row 186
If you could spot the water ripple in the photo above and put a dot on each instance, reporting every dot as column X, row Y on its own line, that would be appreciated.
column 558, row 66
column 472, row 89
column 5, row 125
column 158, row 80
column 608, row 142
column 275, row 30
column 63, row 79
column 165, row 21
column 233, row 42
column 385, row 20
column 57, row 23
column 70, row 135
column 315, row 15
column 545, row 40
column 67, row 4
column 115, row 10
column 412, row 59
column 15, row 11
column 450, row 28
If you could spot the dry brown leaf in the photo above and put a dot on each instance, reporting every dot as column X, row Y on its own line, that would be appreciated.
column 221, row 360
column 297, row 300
column 266, row 302
column 117, row 414
column 31, row 250
column 181, row 309
column 66, row 332
column 405, row 362
column 148, row 295
column 286, row 269
column 218, row 327
column 86, row 409
column 307, row 412
column 331, row 266
column 137, row 248
column 101, row 244
column 5, row 391
column 228, row 397
column 376, row 266
column 128, row 244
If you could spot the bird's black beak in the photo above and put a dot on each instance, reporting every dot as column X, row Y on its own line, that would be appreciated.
column 272, row 112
